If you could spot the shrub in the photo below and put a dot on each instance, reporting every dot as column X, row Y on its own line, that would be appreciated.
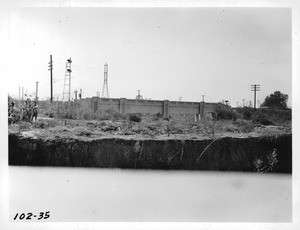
column 81, row 131
column 244, row 126
column 246, row 112
column 261, row 118
column 24, row 125
column 135, row 118
column 226, row 112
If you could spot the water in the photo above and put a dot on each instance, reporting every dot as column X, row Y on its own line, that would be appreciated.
column 93, row 194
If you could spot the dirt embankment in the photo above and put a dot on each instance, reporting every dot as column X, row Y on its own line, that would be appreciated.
column 253, row 153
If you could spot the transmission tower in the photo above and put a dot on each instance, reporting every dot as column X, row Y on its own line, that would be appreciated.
column 67, row 82
column 105, row 92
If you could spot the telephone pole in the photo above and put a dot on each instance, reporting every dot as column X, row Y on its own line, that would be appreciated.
column 203, row 97
column 80, row 93
column 19, row 93
column 36, row 90
column 51, row 78
column 75, row 95
column 22, row 94
column 255, row 88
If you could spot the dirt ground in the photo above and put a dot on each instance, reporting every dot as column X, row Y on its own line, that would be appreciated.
column 51, row 128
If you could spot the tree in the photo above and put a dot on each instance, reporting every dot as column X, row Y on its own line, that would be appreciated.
column 276, row 99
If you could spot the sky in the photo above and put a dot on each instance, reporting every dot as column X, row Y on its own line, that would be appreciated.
column 166, row 53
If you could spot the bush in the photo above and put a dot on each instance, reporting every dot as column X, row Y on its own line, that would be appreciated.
column 261, row 118
column 226, row 112
column 244, row 125
column 81, row 131
column 246, row 112
column 135, row 118
column 24, row 125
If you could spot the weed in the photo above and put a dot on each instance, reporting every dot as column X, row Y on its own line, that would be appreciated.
column 268, row 165
column 135, row 118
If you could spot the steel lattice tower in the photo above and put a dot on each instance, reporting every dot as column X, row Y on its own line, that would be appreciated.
column 67, row 82
column 105, row 92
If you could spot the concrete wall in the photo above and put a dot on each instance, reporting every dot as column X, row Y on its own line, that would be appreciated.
column 165, row 107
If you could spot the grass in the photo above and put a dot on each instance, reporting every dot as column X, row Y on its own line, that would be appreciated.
column 71, row 118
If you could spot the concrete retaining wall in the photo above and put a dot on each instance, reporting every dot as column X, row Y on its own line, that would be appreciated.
column 165, row 108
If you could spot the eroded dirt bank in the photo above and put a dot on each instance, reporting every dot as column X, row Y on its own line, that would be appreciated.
column 227, row 153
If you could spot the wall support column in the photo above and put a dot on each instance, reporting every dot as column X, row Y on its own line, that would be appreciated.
column 166, row 109
column 123, row 105
column 201, row 109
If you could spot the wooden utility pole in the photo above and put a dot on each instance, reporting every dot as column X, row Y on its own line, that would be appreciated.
column 255, row 88
column 22, row 94
column 243, row 102
column 51, row 78
column 36, row 90
column 75, row 95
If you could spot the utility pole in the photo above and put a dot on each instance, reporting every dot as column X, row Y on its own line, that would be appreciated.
column 36, row 90
column 80, row 93
column 203, row 97
column 75, row 95
column 22, row 94
column 19, row 93
column 255, row 88
column 243, row 102
column 51, row 78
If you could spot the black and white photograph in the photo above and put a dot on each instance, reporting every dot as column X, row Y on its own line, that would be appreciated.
column 149, row 114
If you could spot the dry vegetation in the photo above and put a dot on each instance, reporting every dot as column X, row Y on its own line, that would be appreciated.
column 72, row 121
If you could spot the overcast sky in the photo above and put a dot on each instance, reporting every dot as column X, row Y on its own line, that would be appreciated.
column 166, row 53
